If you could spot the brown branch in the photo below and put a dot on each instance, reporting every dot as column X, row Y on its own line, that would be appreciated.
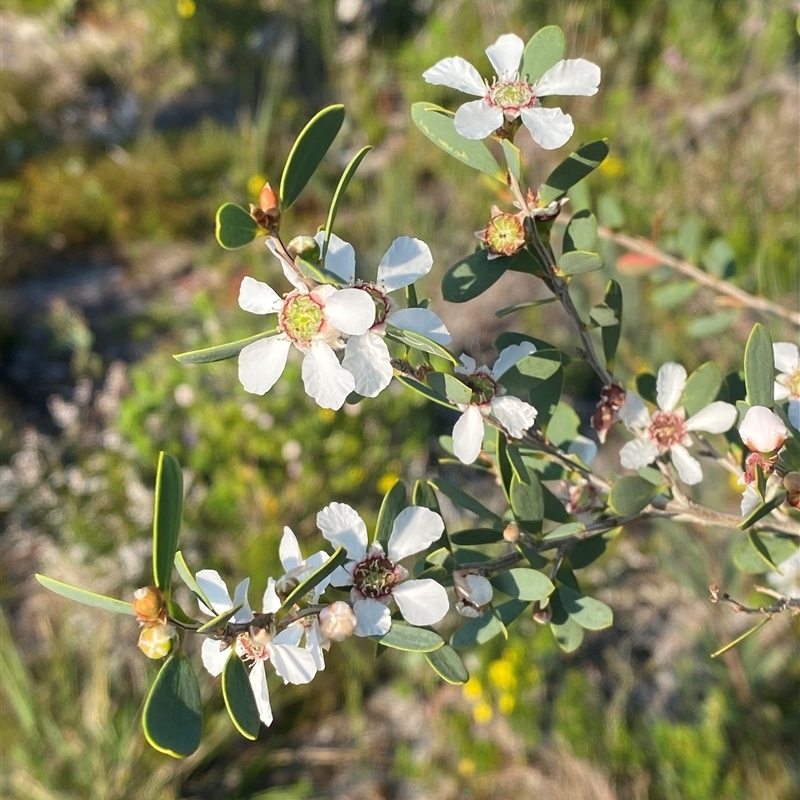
column 782, row 604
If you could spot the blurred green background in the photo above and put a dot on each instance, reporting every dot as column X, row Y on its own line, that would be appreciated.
column 123, row 127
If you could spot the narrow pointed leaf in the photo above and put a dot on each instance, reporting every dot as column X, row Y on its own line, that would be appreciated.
column 85, row 597
column 308, row 151
column 402, row 636
column 424, row 495
column 565, row 531
column 573, row 170
column 166, row 518
column 437, row 124
column 543, row 51
column 741, row 638
column 419, row 342
column 455, row 390
column 462, row 499
column 766, row 508
column 610, row 334
column 761, row 550
column 220, row 621
column 338, row 195
column 221, row 351
column 523, row 584
column 172, row 720
column 239, row 699
column 759, row 367
column 504, row 312
column 448, row 665
column 235, row 227
column 748, row 559
column 424, row 390
column 186, row 575
column 473, row 537
column 511, row 152
column 527, row 502
column 393, row 503
column 472, row 276
column 337, row 559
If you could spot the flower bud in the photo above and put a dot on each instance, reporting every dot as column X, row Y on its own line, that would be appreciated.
column 541, row 615
column 306, row 247
column 337, row 621
column 268, row 211
column 511, row 532
column 155, row 639
column 791, row 482
column 762, row 430
column 149, row 605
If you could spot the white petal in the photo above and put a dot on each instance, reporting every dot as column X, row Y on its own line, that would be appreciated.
column 258, row 683
column 688, row 467
column 633, row 412
column 505, row 55
column 468, row 435
column 294, row 664
column 467, row 365
column 245, row 613
column 414, row 529
column 214, row 658
column 456, row 73
column 550, row 128
column 762, row 430
column 343, row 576
column 289, row 272
column 373, row 618
column 367, row 359
column 406, row 261
column 291, row 635
column 717, row 417
column 510, row 356
column 351, row 311
column 781, row 392
column 215, row 590
column 515, row 415
column 575, row 76
column 289, row 551
column 638, row 453
column 270, row 602
column 669, row 385
column 341, row 525
column 422, row 321
column 750, row 500
column 787, row 357
column 421, row 602
column 314, row 645
column 340, row 258
column 258, row 298
column 262, row 363
column 324, row 378
column 477, row 119
column 474, row 588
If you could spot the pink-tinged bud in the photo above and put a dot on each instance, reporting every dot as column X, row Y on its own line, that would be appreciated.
column 505, row 233
column 763, row 430
column 473, row 592
column 268, row 199
column 155, row 639
column 511, row 532
column 268, row 211
column 337, row 621
column 149, row 605
column 791, row 482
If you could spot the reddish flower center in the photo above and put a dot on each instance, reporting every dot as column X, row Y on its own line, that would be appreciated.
column 667, row 428
column 757, row 460
column 375, row 576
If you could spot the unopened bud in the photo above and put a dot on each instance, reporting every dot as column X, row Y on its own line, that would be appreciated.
column 155, row 640
column 337, row 621
column 149, row 605
column 511, row 532
column 791, row 482
column 306, row 247
column 268, row 211
column 762, row 430
column 541, row 615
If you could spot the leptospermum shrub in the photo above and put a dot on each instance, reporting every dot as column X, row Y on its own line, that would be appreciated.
column 359, row 327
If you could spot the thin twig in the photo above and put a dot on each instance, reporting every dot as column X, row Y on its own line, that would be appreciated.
column 782, row 604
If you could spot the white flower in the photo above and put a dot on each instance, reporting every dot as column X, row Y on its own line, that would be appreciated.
column 337, row 621
column 258, row 644
column 489, row 398
column 366, row 355
column 762, row 430
column 787, row 384
column 510, row 95
column 667, row 430
column 313, row 320
column 376, row 577
column 297, row 570
column 473, row 592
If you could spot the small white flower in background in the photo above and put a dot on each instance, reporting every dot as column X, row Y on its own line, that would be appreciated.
column 764, row 433
column 376, row 577
column 313, row 320
column 787, row 384
column 366, row 355
column 667, row 430
column 337, row 621
column 510, row 95
column 292, row 663
column 489, row 399
column 787, row 581
column 297, row 570
column 473, row 592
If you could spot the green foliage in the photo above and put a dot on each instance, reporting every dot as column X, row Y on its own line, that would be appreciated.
column 235, row 227
column 544, row 50
column 86, row 597
column 759, row 367
column 239, row 699
column 166, row 519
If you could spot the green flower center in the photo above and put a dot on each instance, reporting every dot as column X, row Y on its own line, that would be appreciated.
column 505, row 234
column 512, row 95
column 483, row 388
column 667, row 428
column 302, row 318
column 375, row 576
